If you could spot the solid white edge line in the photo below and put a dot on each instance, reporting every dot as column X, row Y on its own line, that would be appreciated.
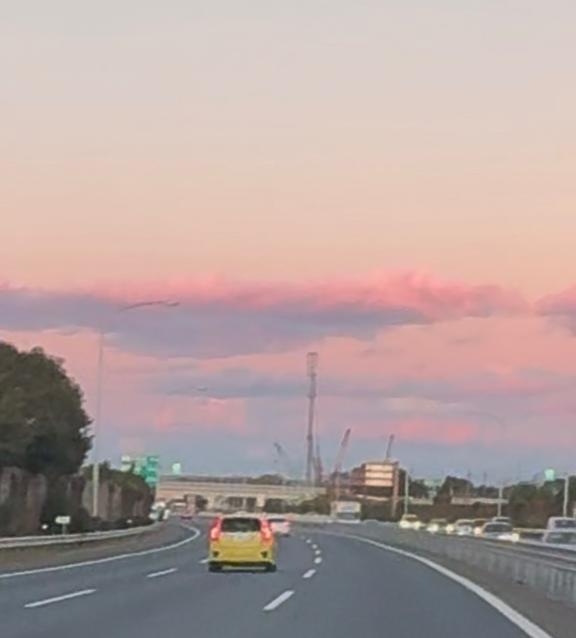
column 100, row 561
column 309, row 573
column 279, row 600
column 57, row 599
column 164, row 572
column 527, row 626
column 318, row 560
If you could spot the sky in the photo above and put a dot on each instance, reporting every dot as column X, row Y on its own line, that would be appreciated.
column 387, row 183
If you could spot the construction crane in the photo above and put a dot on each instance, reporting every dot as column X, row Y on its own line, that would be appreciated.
column 338, row 463
column 389, row 446
column 284, row 458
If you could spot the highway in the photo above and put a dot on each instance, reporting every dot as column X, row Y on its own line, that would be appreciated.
column 326, row 585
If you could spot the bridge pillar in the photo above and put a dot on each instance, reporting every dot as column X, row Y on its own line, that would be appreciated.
column 260, row 501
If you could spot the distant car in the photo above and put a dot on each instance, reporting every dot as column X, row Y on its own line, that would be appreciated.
column 280, row 525
column 558, row 523
column 560, row 530
column 499, row 531
column 409, row 521
column 437, row 526
column 560, row 537
column 463, row 527
column 241, row 541
column 501, row 519
column 478, row 525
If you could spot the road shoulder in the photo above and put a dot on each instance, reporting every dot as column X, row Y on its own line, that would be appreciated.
column 41, row 557
column 553, row 617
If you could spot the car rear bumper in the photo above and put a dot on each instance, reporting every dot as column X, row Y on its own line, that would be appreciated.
column 242, row 556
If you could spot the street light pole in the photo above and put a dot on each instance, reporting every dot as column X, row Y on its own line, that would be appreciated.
column 566, row 495
column 406, row 491
column 99, row 383
column 96, row 424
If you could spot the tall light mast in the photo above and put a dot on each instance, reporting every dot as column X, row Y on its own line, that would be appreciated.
column 311, row 368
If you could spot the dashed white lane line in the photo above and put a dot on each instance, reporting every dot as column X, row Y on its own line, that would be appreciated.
column 317, row 552
column 309, row 573
column 204, row 561
column 279, row 600
column 314, row 546
column 58, row 599
column 108, row 559
column 164, row 572
column 318, row 560
column 308, row 540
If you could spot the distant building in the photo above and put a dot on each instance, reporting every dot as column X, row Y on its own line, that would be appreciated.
column 377, row 479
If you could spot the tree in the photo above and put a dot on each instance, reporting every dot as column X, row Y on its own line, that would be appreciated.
column 418, row 489
column 43, row 424
column 455, row 486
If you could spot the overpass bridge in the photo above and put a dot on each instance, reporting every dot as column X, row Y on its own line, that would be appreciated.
column 225, row 494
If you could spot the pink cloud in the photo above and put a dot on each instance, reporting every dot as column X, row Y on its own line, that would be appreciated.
column 434, row 299
column 217, row 318
column 561, row 303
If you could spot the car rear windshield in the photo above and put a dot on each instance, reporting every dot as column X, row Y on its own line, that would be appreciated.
column 498, row 528
column 240, row 525
column 565, row 523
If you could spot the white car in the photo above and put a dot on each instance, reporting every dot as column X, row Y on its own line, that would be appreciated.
column 499, row 531
column 279, row 525
column 409, row 521
column 560, row 530
column 561, row 523
column 463, row 527
column 437, row 526
column 501, row 519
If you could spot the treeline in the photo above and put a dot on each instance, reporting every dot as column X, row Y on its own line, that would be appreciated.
column 44, row 442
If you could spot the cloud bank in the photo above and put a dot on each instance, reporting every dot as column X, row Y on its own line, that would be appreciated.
column 218, row 318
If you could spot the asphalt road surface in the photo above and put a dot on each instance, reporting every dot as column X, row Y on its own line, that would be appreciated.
column 325, row 586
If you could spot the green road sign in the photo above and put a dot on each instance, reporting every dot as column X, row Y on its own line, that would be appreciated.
column 549, row 475
column 145, row 466
column 150, row 470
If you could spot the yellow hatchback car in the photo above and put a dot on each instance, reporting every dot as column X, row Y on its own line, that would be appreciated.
column 241, row 540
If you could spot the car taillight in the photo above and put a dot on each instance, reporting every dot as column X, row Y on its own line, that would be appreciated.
column 265, row 532
column 215, row 531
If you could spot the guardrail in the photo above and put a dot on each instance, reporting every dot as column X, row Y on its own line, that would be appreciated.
column 22, row 542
